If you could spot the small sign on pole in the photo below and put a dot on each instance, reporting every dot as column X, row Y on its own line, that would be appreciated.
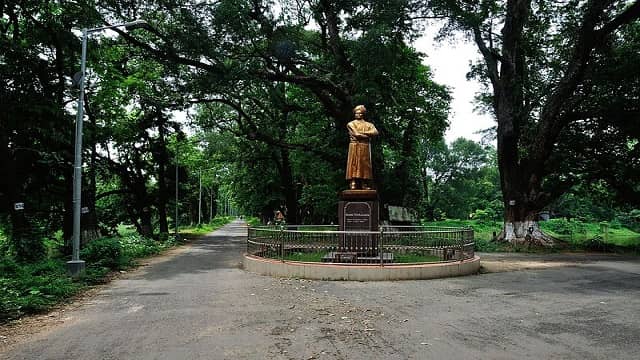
column 18, row 206
column 84, row 210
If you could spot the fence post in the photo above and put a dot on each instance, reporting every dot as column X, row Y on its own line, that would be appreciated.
column 381, row 246
column 461, row 245
column 281, row 243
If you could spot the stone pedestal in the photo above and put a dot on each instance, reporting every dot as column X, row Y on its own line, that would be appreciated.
column 358, row 210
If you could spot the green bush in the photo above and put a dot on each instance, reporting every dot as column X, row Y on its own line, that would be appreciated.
column 28, row 246
column 102, row 252
column 597, row 243
column 253, row 221
column 487, row 245
column 8, row 267
column 565, row 227
column 27, row 288
column 34, row 287
column 483, row 216
column 630, row 219
column 163, row 237
column 9, row 301
column 136, row 246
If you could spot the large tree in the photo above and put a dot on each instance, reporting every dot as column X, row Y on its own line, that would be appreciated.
column 332, row 55
column 538, row 60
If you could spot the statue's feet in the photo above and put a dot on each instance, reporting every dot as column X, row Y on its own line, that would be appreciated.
column 352, row 185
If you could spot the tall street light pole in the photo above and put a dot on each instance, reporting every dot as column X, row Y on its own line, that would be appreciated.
column 76, row 266
column 200, row 198
column 177, row 187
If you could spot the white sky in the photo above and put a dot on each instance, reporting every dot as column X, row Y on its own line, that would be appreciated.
column 449, row 62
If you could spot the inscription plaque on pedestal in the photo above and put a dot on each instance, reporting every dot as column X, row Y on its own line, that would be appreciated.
column 358, row 212
column 357, row 216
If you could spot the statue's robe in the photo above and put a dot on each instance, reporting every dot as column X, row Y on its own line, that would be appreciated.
column 359, row 159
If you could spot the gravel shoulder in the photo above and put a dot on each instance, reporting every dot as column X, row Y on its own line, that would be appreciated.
column 199, row 304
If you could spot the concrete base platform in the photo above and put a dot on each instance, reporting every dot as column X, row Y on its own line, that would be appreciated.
column 359, row 272
column 75, row 268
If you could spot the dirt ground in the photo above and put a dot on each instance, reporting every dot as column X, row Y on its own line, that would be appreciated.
column 196, row 303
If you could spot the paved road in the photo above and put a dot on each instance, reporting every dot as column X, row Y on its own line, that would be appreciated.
column 200, row 305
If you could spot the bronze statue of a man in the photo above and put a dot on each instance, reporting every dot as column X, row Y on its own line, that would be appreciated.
column 359, row 172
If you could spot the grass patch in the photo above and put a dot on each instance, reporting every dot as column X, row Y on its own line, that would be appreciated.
column 415, row 258
column 205, row 228
column 253, row 221
column 32, row 288
column 593, row 236
column 306, row 257
column 580, row 235
column 482, row 231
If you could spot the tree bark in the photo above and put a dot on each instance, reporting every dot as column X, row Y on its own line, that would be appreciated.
column 89, row 229
column 163, row 191
column 289, row 188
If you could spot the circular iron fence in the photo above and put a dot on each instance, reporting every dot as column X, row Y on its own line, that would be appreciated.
column 391, row 244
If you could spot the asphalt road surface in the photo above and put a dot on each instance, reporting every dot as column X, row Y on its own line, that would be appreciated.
column 199, row 304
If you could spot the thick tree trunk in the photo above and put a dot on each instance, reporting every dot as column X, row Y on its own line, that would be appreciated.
column 289, row 188
column 67, row 221
column 25, row 241
column 524, row 230
column 163, row 191
column 146, row 227
column 89, row 229
column 162, row 206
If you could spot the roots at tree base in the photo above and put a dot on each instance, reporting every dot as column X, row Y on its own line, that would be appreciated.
column 525, row 233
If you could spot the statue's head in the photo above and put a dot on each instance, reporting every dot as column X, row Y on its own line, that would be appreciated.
column 359, row 111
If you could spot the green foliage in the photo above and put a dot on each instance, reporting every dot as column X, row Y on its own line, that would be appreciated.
column 253, row 221
column 462, row 179
column 104, row 252
column 31, row 288
column 481, row 230
column 136, row 246
column 590, row 235
column 588, row 201
column 27, row 288
column 216, row 223
column 564, row 227
column 4, row 243
column 485, row 244
column 630, row 219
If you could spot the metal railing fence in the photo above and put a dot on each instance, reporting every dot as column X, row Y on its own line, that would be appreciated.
column 391, row 244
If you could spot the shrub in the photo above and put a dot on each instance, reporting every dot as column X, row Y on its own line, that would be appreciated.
column 482, row 216
column 8, row 266
column 136, row 246
column 102, row 252
column 163, row 237
column 34, row 287
column 597, row 243
column 630, row 219
column 9, row 298
column 565, row 227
